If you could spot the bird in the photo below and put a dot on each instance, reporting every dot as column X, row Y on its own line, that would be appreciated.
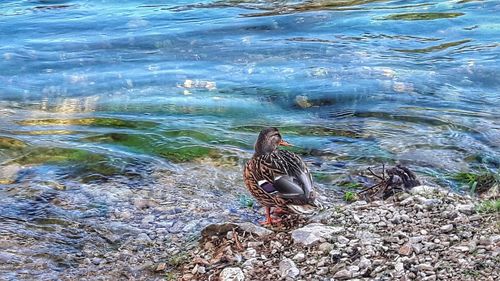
column 279, row 178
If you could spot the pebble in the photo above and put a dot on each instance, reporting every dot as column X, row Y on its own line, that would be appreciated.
column 446, row 228
column 232, row 274
column 299, row 257
column 254, row 229
column 342, row 240
column 390, row 240
column 143, row 238
column 342, row 274
column 399, row 266
column 325, row 247
column 405, row 250
column 288, row 268
column 364, row 263
column 425, row 267
column 250, row 253
column 313, row 233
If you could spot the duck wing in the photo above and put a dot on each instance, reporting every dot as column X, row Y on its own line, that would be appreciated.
column 285, row 175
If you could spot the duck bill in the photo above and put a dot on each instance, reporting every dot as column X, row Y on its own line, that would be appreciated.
column 284, row 143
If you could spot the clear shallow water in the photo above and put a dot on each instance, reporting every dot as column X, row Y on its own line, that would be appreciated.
column 113, row 91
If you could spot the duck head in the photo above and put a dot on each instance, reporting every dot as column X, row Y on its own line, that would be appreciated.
column 268, row 141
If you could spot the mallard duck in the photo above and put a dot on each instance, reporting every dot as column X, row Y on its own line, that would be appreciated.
column 279, row 178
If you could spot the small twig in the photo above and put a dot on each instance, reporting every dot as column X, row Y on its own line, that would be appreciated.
column 371, row 187
column 375, row 175
column 239, row 247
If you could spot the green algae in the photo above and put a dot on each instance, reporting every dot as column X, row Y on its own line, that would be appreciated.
column 489, row 206
column 153, row 144
column 435, row 48
column 206, row 138
column 323, row 177
column 303, row 131
column 44, row 132
column 188, row 153
column 423, row 16
column 350, row 185
column 78, row 163
column 11, row 143
column 57, row 155
column 93, row 122
column 350, row 196
column 477, row 182
column 189, row 133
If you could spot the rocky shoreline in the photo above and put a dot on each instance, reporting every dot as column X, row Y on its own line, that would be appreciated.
column 426, row 234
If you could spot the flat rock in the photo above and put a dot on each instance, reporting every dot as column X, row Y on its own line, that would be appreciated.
column 8, row 173
column 288, row 268
column 446, row 228
column 425, row 267
column 254, row 229
column 424, row 189
column 313, row 233
column 405, row 250
column 224, row 228
column 467, row 209
column 367, row 237
column 231, row 274
column 342, row 274
column 299, row 257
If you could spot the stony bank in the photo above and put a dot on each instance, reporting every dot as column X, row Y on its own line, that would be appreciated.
column 426, row 234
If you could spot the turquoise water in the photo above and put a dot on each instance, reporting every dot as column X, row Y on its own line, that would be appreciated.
column 112, row 91
column 388, row 80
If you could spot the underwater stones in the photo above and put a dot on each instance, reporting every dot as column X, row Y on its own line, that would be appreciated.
column 141, row 203
column 94, row 122
column 314, row 233
column 11, row 143
column 8, row 173
column 303, row 101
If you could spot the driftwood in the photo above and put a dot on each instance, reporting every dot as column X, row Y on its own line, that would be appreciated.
column 390, row 182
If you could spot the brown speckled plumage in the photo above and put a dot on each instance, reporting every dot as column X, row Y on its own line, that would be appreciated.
column 269, row 164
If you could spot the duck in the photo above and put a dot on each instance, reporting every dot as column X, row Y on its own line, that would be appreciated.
column 279, row 178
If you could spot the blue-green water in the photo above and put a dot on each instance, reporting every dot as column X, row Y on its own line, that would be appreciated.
column 115, row 90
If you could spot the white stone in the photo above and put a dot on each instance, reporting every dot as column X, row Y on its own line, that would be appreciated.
column 447, row 228
column 313, row 233
column 424, row 189
column 299, row 257
column 254, row 229
column 232, row 274
column 342, row 275
column 399, row 266
column 249, row 263
column 250, row 253
column 342, row 240
column 364, row 263
column 288, row 268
